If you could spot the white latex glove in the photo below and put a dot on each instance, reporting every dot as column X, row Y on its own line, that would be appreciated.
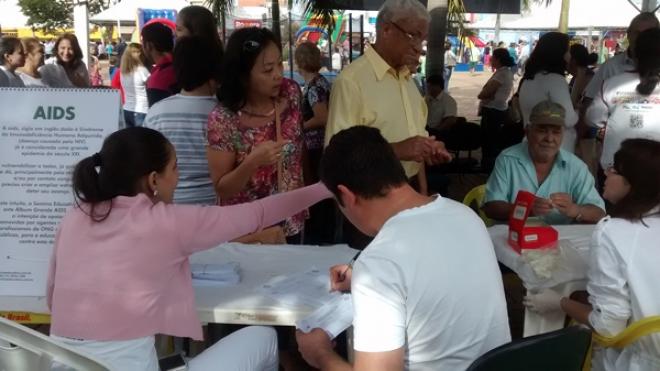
column 545, row 301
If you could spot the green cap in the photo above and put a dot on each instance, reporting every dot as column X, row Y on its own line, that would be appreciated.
column 547, row 112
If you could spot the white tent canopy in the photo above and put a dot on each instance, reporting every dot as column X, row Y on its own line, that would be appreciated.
column 583, row 14
column 11, row 15
column 126, row 10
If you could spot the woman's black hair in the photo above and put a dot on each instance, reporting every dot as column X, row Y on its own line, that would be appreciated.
column 201, row 22
column 548, row 55
column 504, row 57
column 647, row 53
column 581, row 56
column 637, row 161
column 116, row 170
column 8, row 45
column 243, row 48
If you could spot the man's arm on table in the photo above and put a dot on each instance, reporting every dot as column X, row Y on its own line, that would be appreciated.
column 316, row 346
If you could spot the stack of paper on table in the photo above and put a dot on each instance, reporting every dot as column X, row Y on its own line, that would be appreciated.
column 215, row 274
column 333, row 312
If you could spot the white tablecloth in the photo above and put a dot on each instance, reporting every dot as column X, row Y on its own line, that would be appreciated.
column 242, row 303
column 568, row 277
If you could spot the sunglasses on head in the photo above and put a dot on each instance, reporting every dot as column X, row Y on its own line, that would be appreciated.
column 251, row 46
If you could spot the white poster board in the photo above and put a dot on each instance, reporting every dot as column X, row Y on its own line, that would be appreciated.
column 43, row 134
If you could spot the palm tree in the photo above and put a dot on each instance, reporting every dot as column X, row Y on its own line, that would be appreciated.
column 220, row 9
column 442, row 12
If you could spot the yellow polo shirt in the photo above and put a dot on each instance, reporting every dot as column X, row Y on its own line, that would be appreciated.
column 369, row 92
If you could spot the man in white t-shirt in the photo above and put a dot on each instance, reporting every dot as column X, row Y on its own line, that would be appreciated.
column 441, row 106
column 427, row 292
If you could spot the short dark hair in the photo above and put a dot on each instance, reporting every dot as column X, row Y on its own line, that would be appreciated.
column 504, row 57
column 637, row 161
column 581, row 56
column 159, row 36
column 126, row 156
column 201, row 22
column 308, row 57
column 243, row 48
column 8, row 45
column 360, row 159
column 75, row 45
column 548, row 55
column 193, row 65
column 437, row 80
column 647, row 51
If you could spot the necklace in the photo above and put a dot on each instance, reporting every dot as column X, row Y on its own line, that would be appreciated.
column 255, row 114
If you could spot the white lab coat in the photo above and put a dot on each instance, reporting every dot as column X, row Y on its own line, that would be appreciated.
column 623, row 282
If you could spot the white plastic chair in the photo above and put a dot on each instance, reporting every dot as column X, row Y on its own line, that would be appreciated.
column 22, row 348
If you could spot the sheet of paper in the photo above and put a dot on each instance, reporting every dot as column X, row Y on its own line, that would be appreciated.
column 310, row 288
column 334, row 317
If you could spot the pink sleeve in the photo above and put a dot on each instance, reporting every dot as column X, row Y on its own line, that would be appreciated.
column 50, row 283
column 200, row 228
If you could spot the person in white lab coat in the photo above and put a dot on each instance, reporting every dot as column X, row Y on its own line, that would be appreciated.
column 628, row 104
column 623, row 264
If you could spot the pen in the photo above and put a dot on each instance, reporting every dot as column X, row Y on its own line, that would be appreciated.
column 350, row 265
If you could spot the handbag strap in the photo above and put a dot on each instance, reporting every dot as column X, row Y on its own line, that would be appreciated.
column 278, row 138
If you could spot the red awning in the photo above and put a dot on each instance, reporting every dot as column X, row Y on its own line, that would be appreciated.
column 477, row 41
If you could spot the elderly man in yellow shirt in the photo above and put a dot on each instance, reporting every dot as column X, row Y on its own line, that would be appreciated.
column 377, row 89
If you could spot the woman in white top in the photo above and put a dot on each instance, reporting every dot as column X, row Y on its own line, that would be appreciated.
column 12, row 57
column 34, row 58
column 67, row 69
column 450, row 62
column 624, row 258
column 628, row 104
column 545, row 79
column 134, row 77
column 493, row 105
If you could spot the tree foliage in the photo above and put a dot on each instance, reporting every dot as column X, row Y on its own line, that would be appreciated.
column 51, row 15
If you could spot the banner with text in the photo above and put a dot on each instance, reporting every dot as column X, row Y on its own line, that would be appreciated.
column 43, row 134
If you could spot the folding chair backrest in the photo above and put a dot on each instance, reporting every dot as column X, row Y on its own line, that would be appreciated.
column 564, row 349
column 22, row 348
column 475, row 199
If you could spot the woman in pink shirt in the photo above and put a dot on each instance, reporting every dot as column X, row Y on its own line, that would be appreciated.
column 119, row 273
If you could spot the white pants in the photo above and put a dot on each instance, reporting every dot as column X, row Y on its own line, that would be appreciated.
column 250, row 349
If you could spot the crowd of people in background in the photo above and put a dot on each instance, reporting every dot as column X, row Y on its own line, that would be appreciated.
column 209, row 124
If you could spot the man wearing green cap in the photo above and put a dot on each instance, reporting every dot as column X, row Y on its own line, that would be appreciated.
column 561, row 181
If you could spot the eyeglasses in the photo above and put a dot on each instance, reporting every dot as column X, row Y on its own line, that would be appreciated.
column 415, row 39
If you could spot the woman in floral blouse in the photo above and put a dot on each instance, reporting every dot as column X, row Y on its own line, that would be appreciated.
column 243, row 150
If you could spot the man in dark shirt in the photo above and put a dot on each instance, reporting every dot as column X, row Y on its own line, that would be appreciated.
column 158, row 42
